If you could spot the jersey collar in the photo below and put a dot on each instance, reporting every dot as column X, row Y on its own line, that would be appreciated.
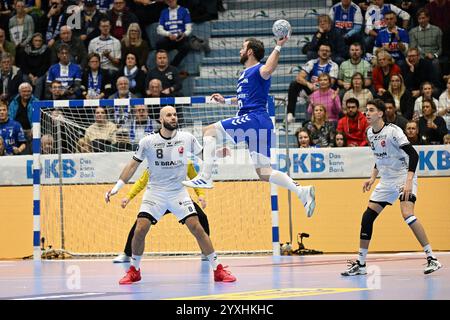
column 159, row 132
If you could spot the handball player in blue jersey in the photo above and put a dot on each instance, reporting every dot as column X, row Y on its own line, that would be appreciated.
column 252, row 123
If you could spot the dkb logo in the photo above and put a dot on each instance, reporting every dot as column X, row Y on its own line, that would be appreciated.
column 305, row 162
column 51, row 168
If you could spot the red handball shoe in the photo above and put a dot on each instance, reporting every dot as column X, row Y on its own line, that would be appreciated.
column 222, row 275
column 132, row 275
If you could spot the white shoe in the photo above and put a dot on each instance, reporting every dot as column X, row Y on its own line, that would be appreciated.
column 354, row 269
column 199, row 182
column 432, row 265
column 204, row 258
column 121, row 258
column 307, row 196
column 290, row 118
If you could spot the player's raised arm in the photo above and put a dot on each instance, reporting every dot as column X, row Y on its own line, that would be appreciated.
column 217, row 97
column 272, row 61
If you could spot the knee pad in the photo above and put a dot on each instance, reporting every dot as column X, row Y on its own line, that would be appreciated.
column 368, row 218
column 410, row 219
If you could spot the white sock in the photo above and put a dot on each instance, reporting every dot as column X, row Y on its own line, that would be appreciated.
column 136, row 261
column 362, row 255
column 428, row 251
column 209, row 152
column 213, row 260
column 283, row 180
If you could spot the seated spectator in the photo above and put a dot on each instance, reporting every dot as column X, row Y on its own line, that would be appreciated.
column 47, row 144
column 10, row 77
column 347, row 19
column 306, row 81
column 101, row 130
column 412, row 133
column 354, row 125
column 402, row 96
column 140, row 125
column 175, row 26
column 84, row 145
column 35, row 62
column 96, row 83
column 155, row 89
column 358, row 92
column 426, row 92
column 375, row 21
column 132, row 42
column 383, row 71
column 21, row 25
column 330, row 36
column 122, row 114
column 78, row 53
column 11, row 132
column 2, row 147
column 391, row 115
column 5, row 45
column 447, row 138
column 56, row 19
column 303, row 138
column 57, row 91
column 444, row 104
column 355, row 64
column 327, row 97
column 439, row 10
column 432, row 128
column 340, row 140
column 418, row 71
column 320, row 129
column 393, row 39
column 21, row 108
column 68, row 73
column 107, row 47
column 123, row 142
column 135, row 75
column 121, row 17
column 428, row 38
column 90, row 21
column 168, row 75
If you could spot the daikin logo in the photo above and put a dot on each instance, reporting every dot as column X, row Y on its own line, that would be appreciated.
column 51, row 169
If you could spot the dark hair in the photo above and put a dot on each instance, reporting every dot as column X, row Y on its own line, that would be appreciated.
column 161, row 51
column 104, row 19
column 423, row 11
column 389, row 100
column 257, row 47
column 93, row 54
column 357, row 44
column 62, row 47
column 378, row 103
column 297, row 133
column 433, row 105
column 390, row 12
column 352, row 100
column 344, row 138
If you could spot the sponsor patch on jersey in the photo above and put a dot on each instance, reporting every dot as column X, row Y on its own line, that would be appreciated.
column 383, row 143
column 180, row 150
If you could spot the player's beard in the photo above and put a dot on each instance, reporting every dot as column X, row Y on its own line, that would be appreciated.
column 244, row 59
column 169, row 126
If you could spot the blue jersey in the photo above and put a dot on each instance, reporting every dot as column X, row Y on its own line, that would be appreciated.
column 252, row 90
column 175, row 20
column 346, row 19
column 385, row 37
column 104, row 5
column 65, row 74
column 375, row 16
column 12, row 134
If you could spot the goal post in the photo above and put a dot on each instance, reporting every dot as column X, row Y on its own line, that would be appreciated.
column 69, row 184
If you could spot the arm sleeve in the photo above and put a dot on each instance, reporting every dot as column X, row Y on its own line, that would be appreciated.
column 139, row 185
column 160, row 30
column 413, row 156
column 192, row 173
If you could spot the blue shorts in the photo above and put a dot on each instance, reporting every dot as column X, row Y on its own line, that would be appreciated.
column 256, row 129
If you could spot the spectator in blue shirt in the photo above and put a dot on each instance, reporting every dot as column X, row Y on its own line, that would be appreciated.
column 69, row 74
column 394, row 39
column 11, row 132
column 175, row 26
column 348, row 20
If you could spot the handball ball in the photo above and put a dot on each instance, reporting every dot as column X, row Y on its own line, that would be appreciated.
column 281, row 29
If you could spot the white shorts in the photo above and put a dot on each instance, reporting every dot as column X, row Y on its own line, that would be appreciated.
column 156, row 203
column 390, row 190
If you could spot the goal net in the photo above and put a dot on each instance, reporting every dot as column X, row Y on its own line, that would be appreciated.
column 84, row 147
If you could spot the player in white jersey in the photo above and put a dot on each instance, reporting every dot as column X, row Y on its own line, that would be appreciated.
column 395, row 162
column 252, row 123
column 166, row 153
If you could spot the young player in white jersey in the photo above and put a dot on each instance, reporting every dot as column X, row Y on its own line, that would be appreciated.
column 396, row 162
column 166, row 153
column 252, row 123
